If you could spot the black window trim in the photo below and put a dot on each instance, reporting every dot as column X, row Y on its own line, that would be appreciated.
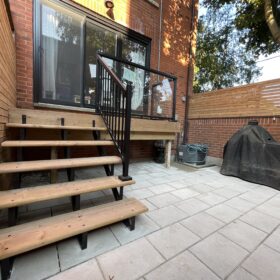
column 91, row 17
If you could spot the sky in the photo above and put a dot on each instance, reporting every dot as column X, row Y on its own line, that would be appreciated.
column 271, row 67
column 270, row 64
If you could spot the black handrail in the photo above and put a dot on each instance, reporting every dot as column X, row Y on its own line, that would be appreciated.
column 169, row 76
column 113, row 102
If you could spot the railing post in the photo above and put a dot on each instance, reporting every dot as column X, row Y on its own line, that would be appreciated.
column 126, row 157
column 174, row 101
column 98, row 86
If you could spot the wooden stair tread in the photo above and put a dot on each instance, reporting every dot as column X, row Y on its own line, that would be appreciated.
column 37, row 165
column 22, row 238
column 23, row 196
column 55, row 143
column 49, row 126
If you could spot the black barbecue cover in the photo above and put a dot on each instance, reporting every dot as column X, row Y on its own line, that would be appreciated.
column 253, row 155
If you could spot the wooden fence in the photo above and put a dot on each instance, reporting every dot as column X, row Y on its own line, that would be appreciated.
column 254, row 100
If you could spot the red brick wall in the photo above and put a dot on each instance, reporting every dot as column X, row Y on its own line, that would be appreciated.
column 216, row 132
column 140, row 16
column 22, row 16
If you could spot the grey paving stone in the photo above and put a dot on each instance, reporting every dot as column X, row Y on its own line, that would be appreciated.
column 158, row 189
column 226, row 192
column 185, row 193
column 224, row 213
column 243, row 234
column 140, row 194
column 240, row 204
column 271, row 207
column 159, row 179
column 192, row 206
column 183, row 267
column 84, row 271
column 219, row 253
column 241, row 274
column 99, row 241
column 143, row 226
column 141, row 184
column 261, row 221
column 202, row 224
column 264, row 264
column 130, row 261
column 167, row 215
column 150, row 206
column 201, row 188
column 36, row 265
column 163, row 200
column 256, row 197
column 172, row 240
column 211, row 198
column 180, row 184
column 273, row 241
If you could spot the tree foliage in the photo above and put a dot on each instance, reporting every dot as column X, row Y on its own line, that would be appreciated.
column 251, row 19
column 221, row 60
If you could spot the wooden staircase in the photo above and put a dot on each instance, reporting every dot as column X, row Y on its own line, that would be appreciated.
column 17, row 239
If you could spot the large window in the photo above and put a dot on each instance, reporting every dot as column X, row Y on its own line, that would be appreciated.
column 66, row 47
column 61, row 46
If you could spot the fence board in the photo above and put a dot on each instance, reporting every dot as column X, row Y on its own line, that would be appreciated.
column 259, row 99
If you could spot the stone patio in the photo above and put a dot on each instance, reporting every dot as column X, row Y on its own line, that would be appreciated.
column 200, row 225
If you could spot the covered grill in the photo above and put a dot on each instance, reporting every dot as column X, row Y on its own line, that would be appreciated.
column 253, row 155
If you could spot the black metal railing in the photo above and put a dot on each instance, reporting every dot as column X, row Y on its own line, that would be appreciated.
column 116, row 102
column 113, row 101
column 154, row 92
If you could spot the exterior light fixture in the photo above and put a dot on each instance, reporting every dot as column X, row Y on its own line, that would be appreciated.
column 109, row 4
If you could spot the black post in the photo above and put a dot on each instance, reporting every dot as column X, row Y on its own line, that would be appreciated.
column 174, row 101
column 98, row 87
column 127, row 125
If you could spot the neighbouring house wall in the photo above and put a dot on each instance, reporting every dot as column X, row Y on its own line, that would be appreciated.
column 215, row 116
column 7, row 81
column 170, row 45
column 7, row 69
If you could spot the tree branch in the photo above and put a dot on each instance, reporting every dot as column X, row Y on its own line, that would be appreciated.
column 271, row 21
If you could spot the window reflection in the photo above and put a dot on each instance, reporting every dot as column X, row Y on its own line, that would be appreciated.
column 61, row 46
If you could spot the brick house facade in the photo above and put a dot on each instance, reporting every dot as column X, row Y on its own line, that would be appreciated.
column 168, row 26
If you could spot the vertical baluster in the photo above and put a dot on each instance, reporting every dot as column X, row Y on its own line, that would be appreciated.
column 119, row 113
column 123, row 111
column 111, row 105
column 115, row 109
column 106, row 96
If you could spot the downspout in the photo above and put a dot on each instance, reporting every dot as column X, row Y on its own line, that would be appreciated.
column 160, row 36
column 189, row 79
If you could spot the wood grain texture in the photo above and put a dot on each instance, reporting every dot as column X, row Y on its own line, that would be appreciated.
column 37, row 165
column 23, row 196
column 83, row 121
column 255, row 100
column 56, row 143
column 26, row 237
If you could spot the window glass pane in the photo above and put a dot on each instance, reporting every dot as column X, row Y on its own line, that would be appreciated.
column 98, row 39
column 136, row 53
column 61, row 54
column 133, row 51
